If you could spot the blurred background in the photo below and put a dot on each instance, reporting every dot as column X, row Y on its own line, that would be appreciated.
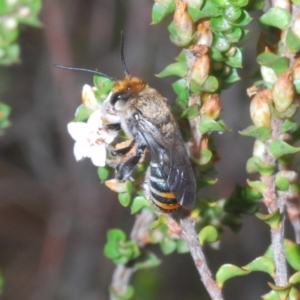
column 54, row 212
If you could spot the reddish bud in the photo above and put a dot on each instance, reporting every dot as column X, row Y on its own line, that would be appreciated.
column 260, row 111
column 296, row 69
column 201, row 65
column 283, row 92
column 211, row 107
column 183, row 23
column 204, row 34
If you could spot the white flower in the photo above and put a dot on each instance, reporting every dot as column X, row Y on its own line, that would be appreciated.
column 91, row 138
column 89, row 98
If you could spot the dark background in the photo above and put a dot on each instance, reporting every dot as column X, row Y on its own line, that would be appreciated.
column 54, row 212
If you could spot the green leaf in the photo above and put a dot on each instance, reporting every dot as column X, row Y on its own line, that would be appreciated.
column 234, row 35
column 292, row 42
column 116, row 235
column 271, row 60
column 282, row 183
column 273, row 219
column 205, row 157
column 221, row 44
column 239, row 3
column 228, row 271
column 210, row 126
column 182, row 247
column 279, row 148
column 261, row 133
column 151, row 261
column 294, row 294
column 208, row 234
column 289, row 126
column 103, row 85
column 270, row 296
column 128, row 294
column 243, row 20
column 295, row 278
column 209, row 10
column 138, row 203
column 210, row 85
column 257, row 185
column 276, row 17
column 191, row 112
column 103, row 173
column 82, row 113
column 168, row 246
column 161, row 9
column 235, row 61
column 231, row 13
column 292, row 251
column 124, row 198
column 262, row 264
column 177, row 69
column 232, row 77
column 281, row 291
column 219, row 24
column 266, row 58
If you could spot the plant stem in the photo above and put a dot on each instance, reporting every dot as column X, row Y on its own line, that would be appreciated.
column 186, row 230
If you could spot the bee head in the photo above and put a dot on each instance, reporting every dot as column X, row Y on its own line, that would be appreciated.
column 126, row 89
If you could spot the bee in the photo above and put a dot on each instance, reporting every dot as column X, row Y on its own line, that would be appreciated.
column 146, row 117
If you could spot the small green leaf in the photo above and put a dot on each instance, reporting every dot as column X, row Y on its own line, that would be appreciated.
column 257, row 185
column 210, row 126
column 177, row 69
column 243, row 20
column 219, row 24
column 289, row 126
column 124, row 198
column 232, row 77
column 138, row 203
column 281, row 291
column 270, row 296
column 292, row 42
column 234, row 35
column 208, row 10
column 239, row 3
column 294, row 294
column 271, row 60
column 282, row 183
column 273, row 219
column 151, row 261
column 235, row 61
column 231, row 13
column 204, row 158
column 279, row 148
column 292, row 251
column 295, row 278
column 191, row 112
column 210, row 85
column 252, row 164
column 266, row 58
column 276, row 17
column 208, row 234
column 182, row 247
column 161, row 9
column 116, row 235
column 262, row 264
column 260, row 133
column 82, row 113
column 103, row 173
column 221, row 44
column 103, row 84
column 168, row 246
column 228, row 271
column 128, row 294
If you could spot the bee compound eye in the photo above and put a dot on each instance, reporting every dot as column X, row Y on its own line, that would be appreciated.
column 121, row 96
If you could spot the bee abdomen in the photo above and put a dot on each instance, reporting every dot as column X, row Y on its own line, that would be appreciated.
column 161, row 195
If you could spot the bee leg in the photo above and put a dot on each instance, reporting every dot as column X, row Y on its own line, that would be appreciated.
column 113, row 126
column 122, row 151
column 125, row 169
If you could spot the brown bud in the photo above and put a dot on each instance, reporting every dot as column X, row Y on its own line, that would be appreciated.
column 283, row 92
column 211, row 107
column 183, row 23
column 260, row 111
column 201, row 65
column 296, row 69
column 204, row 34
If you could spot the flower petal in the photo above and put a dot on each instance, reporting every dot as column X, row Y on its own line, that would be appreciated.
column 88, row 97
column 98, row 155
column 77, row 130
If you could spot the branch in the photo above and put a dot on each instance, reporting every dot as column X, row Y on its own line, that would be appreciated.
column 186, row 230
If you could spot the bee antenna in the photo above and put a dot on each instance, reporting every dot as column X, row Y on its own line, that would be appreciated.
column 122, row 55
column 84, row 70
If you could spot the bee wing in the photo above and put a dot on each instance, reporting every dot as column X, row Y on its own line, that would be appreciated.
column 170, row 154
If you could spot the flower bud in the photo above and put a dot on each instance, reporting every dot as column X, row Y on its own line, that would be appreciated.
column 284, row 4
column 260, row 111
column 291, row 176
column 268, row 74
column 183, row 24
column 201, row 65
column 116, row 186
column 296, row 26
column 283, row 92
column 259, row 149
column 211, row 107
column 296, row 69
column 204, row 34
column 88, row 97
